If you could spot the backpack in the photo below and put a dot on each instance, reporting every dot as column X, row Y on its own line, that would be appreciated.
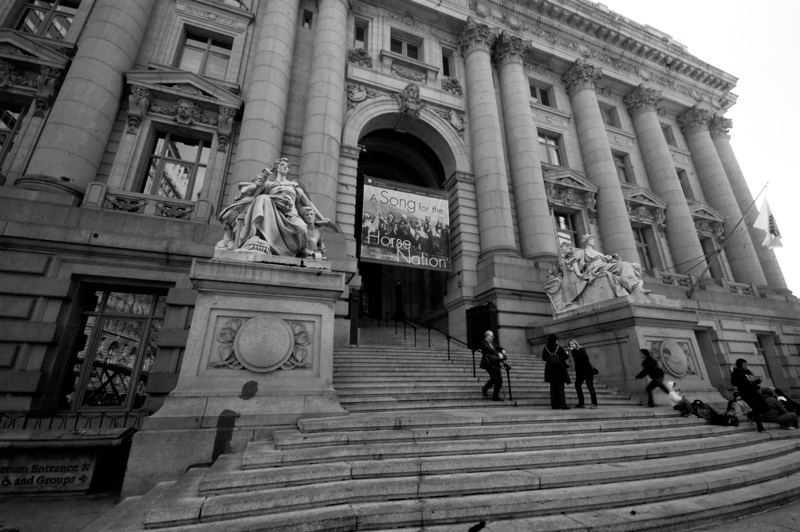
column 714, row 416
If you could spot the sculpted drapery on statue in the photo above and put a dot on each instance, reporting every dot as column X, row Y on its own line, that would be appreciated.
column 266, row 217
column 585, row 275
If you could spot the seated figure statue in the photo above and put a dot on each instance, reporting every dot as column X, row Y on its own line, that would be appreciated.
column 579, row 270
column 266, row 218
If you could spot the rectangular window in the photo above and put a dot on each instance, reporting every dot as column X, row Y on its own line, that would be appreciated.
column 566, row 230
column 360, row 39
column 541, row 95
column 10, row 119
column 642, row 247
column 446, row 59
column 405, row 44
column 669, row 136
column 205, row 55
column 550, row 149
column 115, row 352
column 624, row 172
column 685, row 185
column 177, row 167
column 48, row 18
column 308, row 18
column 610, row 117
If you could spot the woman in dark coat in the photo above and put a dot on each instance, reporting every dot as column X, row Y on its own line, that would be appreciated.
column 584, row 372
column 747, row 385
column 555, row 372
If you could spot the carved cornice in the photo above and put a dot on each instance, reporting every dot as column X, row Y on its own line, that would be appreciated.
column 694, row 120
column 719, row 126
column 581, row 76
column 476, row 37
column 642, row 99
column 508, row 49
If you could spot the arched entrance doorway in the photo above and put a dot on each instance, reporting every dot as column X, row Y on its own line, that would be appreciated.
column 413, row 292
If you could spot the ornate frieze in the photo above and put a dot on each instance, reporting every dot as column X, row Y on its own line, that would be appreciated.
column 11, row 76
column 476, row 37
column 508, row 48
column 173, row 210
column 411, row 75
column 719, row 126
column 360, row 57
column 456, row 120
column 693, row 120
column 452, row 85
column 642, row 99
column 357, row 93
column 580, row 76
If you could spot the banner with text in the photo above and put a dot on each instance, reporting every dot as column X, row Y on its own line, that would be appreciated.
column 405, row 225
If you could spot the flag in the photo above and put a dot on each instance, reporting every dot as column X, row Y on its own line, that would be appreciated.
column 766, row 222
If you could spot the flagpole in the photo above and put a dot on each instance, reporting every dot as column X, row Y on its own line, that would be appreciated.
column 717, row 251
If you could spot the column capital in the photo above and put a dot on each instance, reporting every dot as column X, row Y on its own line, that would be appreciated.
column 642, row 99
column 508, row 49
column 719, row 126
column 695, row 119
column 581, row 75
column 476, row 37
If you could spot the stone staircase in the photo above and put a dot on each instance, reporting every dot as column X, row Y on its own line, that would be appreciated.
column 430, row 454
column 393, row 371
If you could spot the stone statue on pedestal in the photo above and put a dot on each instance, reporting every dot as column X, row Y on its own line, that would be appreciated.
column 265, row 217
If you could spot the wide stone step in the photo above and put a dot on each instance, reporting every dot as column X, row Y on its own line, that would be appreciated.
column 363, row 505
column 560, row 467
column 255, row 456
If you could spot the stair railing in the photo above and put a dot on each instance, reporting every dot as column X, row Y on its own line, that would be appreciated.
column 405, row 323
column 506, row 366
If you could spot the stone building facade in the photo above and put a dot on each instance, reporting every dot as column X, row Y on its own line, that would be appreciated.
column 126, row 127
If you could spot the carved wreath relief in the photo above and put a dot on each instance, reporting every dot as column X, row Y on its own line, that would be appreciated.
column 262, row 344
column 676, row 356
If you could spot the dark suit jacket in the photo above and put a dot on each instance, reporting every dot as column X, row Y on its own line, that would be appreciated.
column 492, row 355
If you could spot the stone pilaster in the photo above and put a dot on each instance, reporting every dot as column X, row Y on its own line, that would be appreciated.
column 533, row 217
column 718, row 128
column 491, row 184
column 75, row 135
column 322, row 129
column 267, row 93
column 719, row 194
column 681, row 233
column 612, row 214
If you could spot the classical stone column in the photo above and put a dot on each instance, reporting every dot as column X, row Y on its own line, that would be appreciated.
column 491, row 184
column 687, row 252
column 533, row 217
column 718, row 127
column 719, row 194
column 612, row 214
column 267, row 95
column 322, row 129
column 76, row 133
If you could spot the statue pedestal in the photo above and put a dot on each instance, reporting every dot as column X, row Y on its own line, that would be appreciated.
column 259, row 356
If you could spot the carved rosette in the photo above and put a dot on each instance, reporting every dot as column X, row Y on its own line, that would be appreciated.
column 224, row 126
column 719, row 126
column 676, row 356
column 476, row 37
column 262, row 344
column 581, row 76
column 138, row 105
column 360, row 57
column 508, row 48
column 642, row 99
column 693, row 120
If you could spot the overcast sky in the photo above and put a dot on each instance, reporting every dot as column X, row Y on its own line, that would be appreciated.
column 757, row 42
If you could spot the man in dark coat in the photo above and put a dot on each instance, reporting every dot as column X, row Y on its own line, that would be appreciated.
column 748, row 387
column 651, row 369
column 555, row 372
column 493, row 354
